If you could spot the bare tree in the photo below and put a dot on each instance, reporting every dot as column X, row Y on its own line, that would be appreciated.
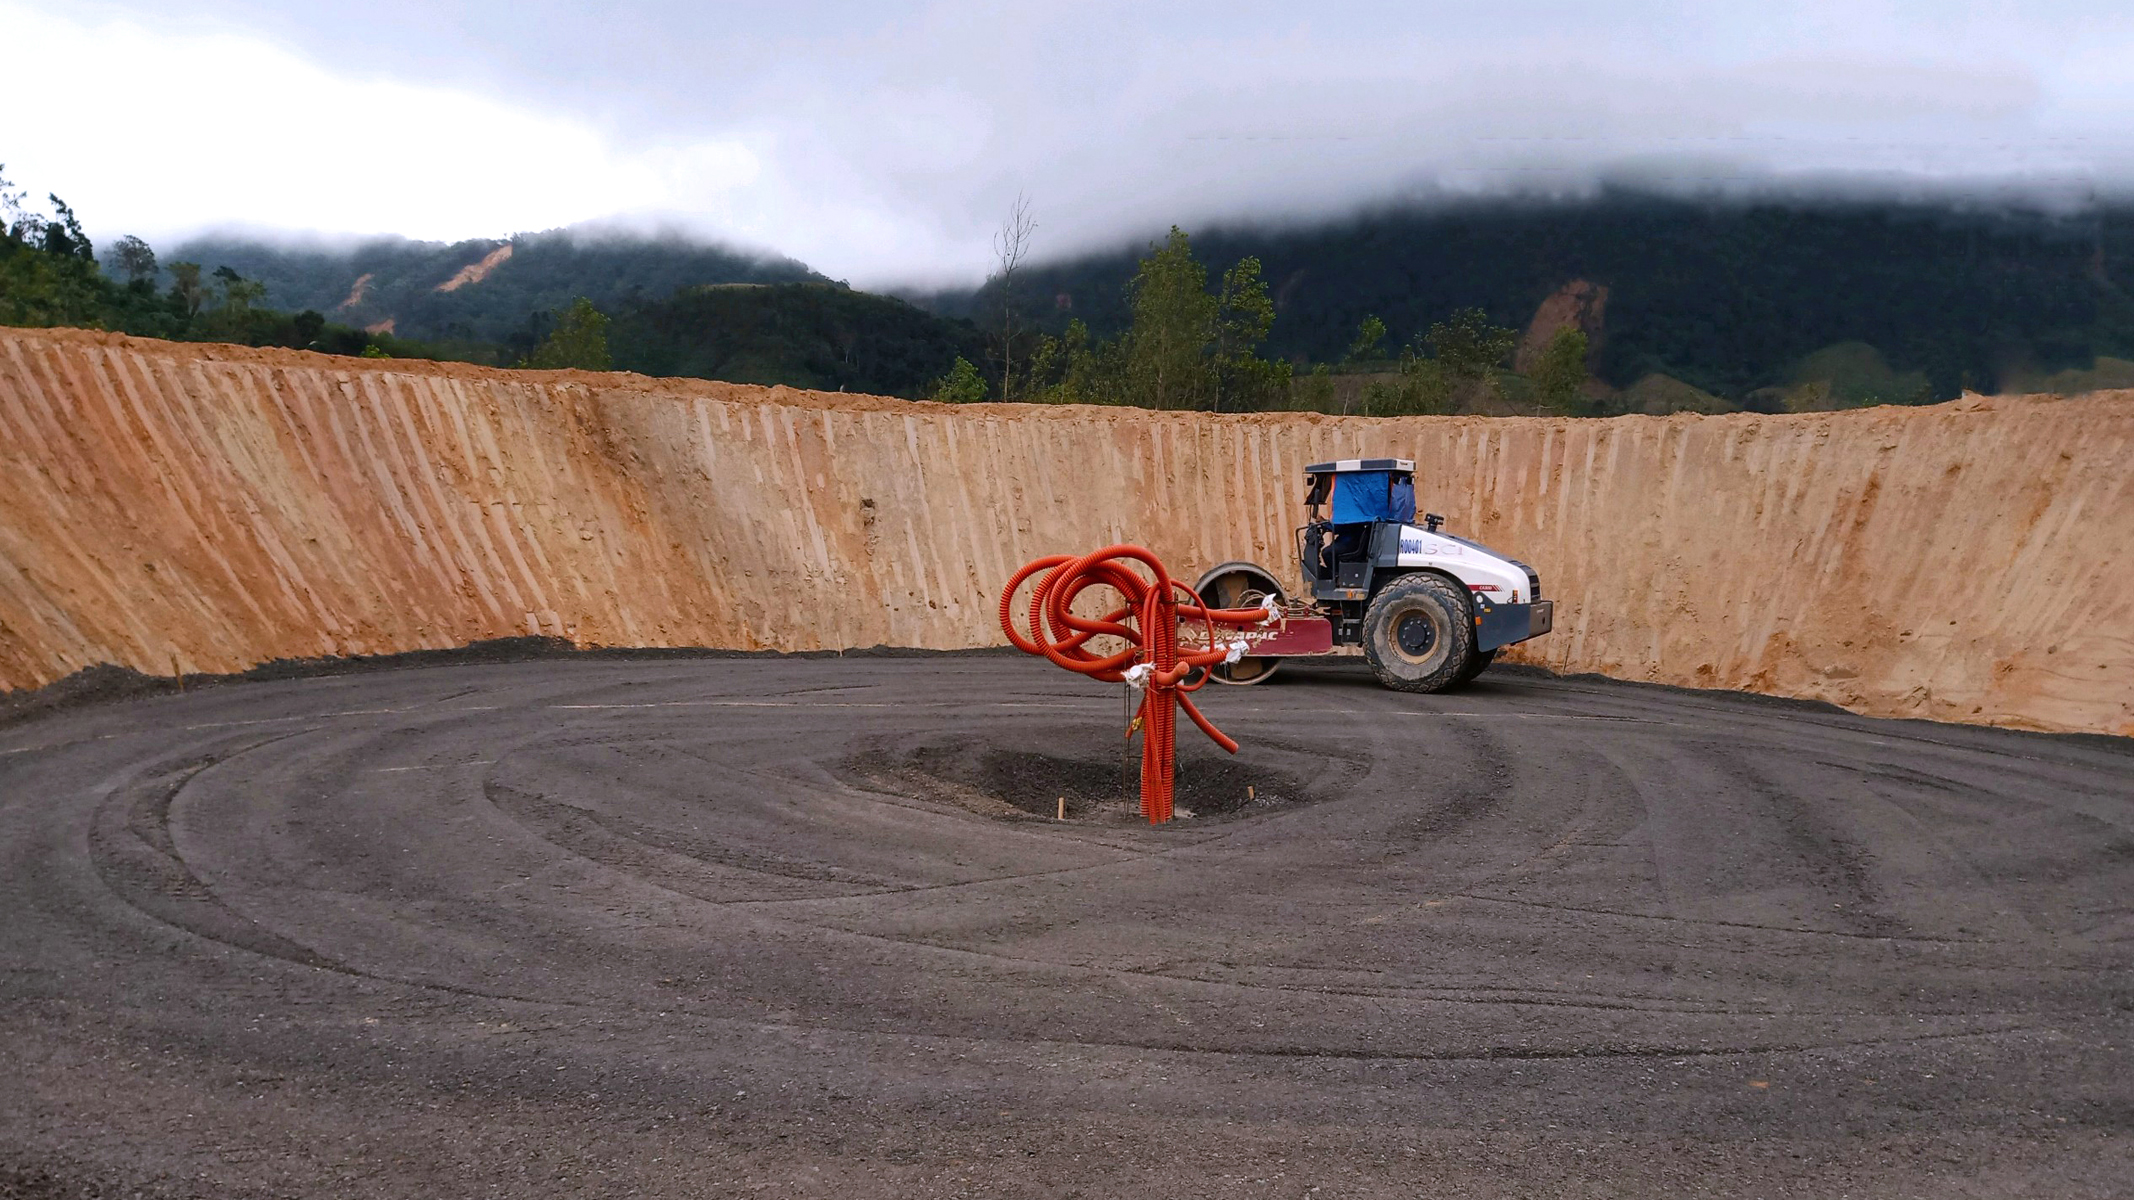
column 134, row 258
column 1011, row 245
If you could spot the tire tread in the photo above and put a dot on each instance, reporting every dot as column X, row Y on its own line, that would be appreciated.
column 1430, row 588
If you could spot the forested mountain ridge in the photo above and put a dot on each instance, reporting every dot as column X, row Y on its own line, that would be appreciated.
column 1732, row 297
column 1630, row 304
column 812, row 335
column 481, row 290
column 579, row 299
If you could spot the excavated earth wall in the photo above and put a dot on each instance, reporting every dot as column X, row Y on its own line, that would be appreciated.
column 202, row 509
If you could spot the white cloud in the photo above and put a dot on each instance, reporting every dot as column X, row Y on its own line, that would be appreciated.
column 158, row 133
column 883, row 142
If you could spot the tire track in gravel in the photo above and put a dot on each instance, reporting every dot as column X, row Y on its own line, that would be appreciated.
column 1619, row 920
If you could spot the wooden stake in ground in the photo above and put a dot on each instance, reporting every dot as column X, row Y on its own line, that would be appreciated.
column 1126, row 747
column 1063, row 808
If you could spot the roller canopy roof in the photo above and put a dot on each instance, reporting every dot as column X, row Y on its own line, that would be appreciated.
column 1361, row 496
column 1345, row 465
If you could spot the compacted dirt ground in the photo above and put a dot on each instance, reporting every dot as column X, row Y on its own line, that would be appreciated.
column 805, row 928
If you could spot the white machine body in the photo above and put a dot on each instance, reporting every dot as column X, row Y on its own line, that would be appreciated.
column 1484, row 571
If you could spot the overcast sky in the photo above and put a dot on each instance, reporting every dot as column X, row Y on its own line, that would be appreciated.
column 883, row 143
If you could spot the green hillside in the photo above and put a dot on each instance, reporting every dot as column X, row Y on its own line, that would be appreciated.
column 814, row 335
column 1726, row 297
column 419, row 286
column 1707, row 307
column 639, row 304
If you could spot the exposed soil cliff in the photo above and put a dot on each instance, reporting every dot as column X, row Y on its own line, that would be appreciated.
column 1576, row 305
column 207, row 508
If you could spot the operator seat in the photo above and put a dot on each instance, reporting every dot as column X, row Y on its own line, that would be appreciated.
column 1346, row 545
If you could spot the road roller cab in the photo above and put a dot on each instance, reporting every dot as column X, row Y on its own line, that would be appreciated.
column 1338, row 552
column 1429, row 610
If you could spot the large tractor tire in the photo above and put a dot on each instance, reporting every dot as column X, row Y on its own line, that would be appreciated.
column 1226, row 586
column 1476, row 665
column 1419, row 633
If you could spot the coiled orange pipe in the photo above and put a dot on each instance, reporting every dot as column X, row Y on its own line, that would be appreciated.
column 1155, row 604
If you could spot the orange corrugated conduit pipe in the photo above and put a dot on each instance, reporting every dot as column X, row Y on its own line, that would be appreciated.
column 1151, row 661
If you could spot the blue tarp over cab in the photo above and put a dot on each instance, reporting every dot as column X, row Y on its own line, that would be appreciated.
column 1361, row 496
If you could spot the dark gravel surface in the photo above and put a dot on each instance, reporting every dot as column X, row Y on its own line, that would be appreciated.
column 748, row 927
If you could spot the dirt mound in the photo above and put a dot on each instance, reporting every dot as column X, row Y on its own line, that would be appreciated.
column 201, row 509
